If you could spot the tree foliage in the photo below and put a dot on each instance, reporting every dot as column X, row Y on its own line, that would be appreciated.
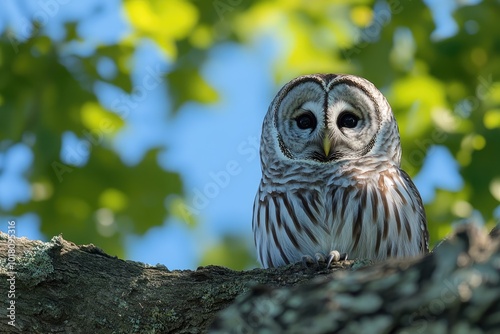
column 444, row 91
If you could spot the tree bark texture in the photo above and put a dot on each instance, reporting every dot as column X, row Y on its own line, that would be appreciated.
column 455, row 289
column 64, row 288
column 59, row 287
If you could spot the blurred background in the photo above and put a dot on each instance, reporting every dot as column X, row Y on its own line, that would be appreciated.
column 135, row 125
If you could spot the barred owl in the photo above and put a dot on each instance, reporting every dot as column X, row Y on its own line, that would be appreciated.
column 331, row 178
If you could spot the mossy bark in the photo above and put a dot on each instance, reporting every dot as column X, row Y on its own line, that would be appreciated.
column 455, row 289
column 62, row 287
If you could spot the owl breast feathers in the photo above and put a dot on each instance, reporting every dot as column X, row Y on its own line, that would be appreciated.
column 331, row 178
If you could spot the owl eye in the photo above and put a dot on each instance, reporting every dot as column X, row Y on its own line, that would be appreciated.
column 306, row 121
column 347, row 120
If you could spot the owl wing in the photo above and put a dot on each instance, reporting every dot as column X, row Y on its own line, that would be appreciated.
column 417, row 199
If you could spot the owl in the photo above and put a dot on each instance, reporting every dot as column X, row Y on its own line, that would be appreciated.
column 331, row 178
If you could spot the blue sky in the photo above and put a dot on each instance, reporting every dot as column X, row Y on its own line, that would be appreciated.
column 214, row 147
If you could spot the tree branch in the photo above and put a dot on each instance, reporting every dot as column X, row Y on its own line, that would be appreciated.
column 61, row 287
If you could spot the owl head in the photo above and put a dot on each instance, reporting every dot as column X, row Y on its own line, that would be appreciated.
column 326, row 118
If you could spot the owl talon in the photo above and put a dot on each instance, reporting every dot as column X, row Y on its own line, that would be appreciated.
column 335, row 256
column 307, row 261
column 320, row 258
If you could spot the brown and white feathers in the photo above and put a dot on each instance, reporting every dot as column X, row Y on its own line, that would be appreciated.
column 331, row 177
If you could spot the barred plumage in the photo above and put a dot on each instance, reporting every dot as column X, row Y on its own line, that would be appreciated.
column 330, row 155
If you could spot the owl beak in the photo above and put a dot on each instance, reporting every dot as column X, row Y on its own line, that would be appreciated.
column 327, row 145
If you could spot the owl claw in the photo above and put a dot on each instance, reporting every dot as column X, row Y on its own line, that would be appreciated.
column 320, row 258
column 307, row 260
column 335, row 256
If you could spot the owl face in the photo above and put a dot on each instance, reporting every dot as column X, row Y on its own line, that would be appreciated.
column 327, row 118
